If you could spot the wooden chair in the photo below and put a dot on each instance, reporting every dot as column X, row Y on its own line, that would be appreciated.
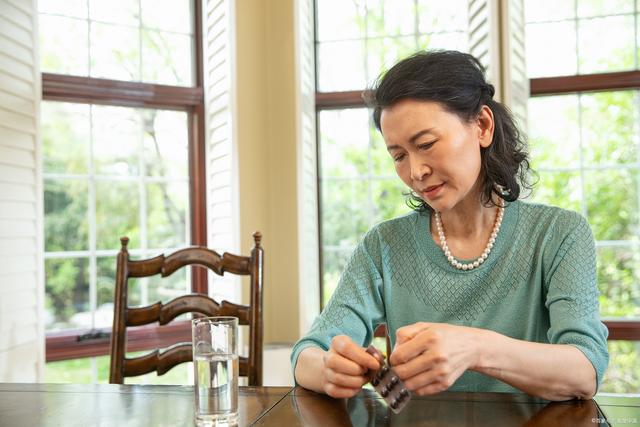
column 163, row 361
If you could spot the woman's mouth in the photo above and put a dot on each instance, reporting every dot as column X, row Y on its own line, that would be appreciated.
column 432, row 191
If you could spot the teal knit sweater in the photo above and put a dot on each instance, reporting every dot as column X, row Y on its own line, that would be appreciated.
column 538, row 284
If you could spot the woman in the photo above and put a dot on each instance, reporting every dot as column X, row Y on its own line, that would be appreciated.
column 479, row 291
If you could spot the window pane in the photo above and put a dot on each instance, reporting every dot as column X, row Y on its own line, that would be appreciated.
column 602, row 38
column 166, row 288
column 166, row 143
column 95, row 370
column 384, row 52
column 346, row 213
column 76, row 371
column 554, row 132
column 65, row 215
column 75, row 8
column 167, row 58
column 612, row 203
column 385, row 18
column 439, row 16
column 115, row 52
column 115, row 11
column 590, row 8
column 618, row 277
column 551, row 49
column 623, row 374
column 388, row 200
column 117, row 214
column 341, row 66
column 381, row 162
column 334, row 260
column 563, row 189
column 344, row 144
column 168, row 15
column 340, row 20
column 606, row 44
column 125, row 40
column 167, row 205
column 64, row 45
column 65, row 137
column 67, row 293
column 609, row 134
column 116, row 140
column 181, row 374
column 149, row 290
column 549, row 10
column 451, row 41
column 105, row 289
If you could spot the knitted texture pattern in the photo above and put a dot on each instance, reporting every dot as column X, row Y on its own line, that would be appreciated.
column 538, row 284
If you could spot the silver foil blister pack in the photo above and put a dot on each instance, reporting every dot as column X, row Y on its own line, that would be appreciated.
column 387, row 383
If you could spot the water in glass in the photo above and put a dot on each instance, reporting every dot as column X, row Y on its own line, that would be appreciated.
column 216, row 388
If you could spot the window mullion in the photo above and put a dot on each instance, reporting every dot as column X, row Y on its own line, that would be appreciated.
column 92, row 225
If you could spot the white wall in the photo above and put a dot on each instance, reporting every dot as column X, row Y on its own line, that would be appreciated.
column 21, row 284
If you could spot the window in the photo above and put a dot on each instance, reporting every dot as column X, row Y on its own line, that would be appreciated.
column 355, row 42
column 123, row 151
column 582, row 59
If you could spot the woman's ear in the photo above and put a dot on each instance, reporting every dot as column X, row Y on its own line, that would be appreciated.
column 485, row 126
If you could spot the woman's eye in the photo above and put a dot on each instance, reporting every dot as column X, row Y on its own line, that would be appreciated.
column 398, row 158
column 426, row 145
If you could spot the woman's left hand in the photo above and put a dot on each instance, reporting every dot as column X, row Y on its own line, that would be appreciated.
column 430, row 357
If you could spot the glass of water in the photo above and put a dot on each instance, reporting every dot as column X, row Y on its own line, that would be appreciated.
column 216, row 369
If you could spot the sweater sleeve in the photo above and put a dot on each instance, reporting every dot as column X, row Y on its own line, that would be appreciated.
column 572, row 293
column 355, row 308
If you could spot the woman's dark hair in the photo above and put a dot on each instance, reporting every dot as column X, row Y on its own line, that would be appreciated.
column 456, row 81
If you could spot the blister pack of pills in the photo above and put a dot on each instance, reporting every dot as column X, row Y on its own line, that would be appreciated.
column 387, row 383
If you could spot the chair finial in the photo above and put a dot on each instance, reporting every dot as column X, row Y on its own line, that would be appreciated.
column 257, row 238
column 124, row 241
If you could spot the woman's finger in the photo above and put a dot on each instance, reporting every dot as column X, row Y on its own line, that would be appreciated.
column 422, row 363
column 346, row 381
column 420, row 343
column 350, row 350
column 340, row 392
column 339, row 363
column 407, row 333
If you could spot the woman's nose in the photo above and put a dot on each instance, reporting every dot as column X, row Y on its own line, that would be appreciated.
column 419, row 169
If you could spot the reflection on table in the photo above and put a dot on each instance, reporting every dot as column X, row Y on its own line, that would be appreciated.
column 304, row 408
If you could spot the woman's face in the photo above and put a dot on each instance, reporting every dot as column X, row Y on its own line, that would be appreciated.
column 436, row 153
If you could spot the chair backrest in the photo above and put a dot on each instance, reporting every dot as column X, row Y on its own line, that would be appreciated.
column 163, row 361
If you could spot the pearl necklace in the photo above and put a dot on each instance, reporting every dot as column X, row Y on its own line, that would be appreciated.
column 474, row 264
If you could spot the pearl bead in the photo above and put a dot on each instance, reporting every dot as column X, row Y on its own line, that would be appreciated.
column 476, row 264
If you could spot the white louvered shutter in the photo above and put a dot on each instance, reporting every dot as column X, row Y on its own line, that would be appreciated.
column 309, row 286
column 496, row 38
column 21, row 283
column 222, row 179
column 516, row 87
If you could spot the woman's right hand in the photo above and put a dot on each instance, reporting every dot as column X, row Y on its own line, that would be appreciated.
column 345, row 366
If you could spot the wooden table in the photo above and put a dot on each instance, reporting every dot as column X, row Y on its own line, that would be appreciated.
column 84, row 405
